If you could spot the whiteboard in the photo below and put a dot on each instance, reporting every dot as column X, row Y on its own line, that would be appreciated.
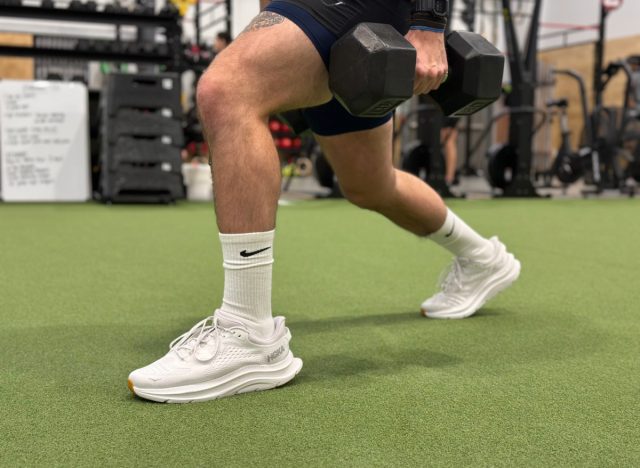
column 44, row 141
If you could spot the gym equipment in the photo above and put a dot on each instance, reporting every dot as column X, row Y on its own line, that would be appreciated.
column 143, row 150
column 84, row 45
column 100, row 46
column 295, row 120
column 307, row 152
column 144, row 92
column 373, row 66
column 142, row 10
column 324, row 174
column 509, row 166
column 633, row 92
column 76, row 5
column 151, row 184
column 169, row 9
column 304, row 166
column 567, row 165
column 502, row 165
column 170, row 54
column 386, row 61
column 469, row 19
column 146, row 124
column 614, row 131
column 601, row 158
column 424, row 158
column 161, row 49
column 274, row 126
column 284, row 137
column 605, row 128
column 605, row 138
column 291, row 150
column 140, row 147
column 148, row 48
column 605, row 135
column 502, row 159
column 115, row 7
column 469, row 13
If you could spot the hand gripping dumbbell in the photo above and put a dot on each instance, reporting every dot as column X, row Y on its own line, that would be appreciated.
column 373, row 66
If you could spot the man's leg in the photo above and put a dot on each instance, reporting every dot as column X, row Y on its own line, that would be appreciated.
column 256, row 75
column 272, row 66
column 362, row 162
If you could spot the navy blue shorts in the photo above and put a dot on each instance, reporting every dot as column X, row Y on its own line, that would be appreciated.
column 331, row 118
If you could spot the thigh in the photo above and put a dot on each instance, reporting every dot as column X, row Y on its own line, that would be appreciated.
column 324, row 22
column 362, row 160
column 273, row 66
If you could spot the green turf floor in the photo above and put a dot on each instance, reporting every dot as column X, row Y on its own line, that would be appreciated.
column 548, row 374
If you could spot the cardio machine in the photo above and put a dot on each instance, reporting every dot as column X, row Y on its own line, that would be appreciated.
column 568, row 165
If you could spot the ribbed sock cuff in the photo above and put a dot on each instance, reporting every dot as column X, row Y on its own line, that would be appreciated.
column 462, row 241
column 248, row 264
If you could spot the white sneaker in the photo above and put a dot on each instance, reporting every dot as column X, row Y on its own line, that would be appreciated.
column 468, row 285
column 216, row 359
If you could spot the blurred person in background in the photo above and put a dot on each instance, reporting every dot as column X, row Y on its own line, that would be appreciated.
column 449, row 139
column 223, row 39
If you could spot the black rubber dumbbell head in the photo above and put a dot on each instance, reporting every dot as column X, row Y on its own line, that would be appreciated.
column 372, row 69
column 475, row 78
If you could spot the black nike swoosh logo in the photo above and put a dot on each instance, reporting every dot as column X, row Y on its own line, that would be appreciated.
column 452, row 228
column 244, row 253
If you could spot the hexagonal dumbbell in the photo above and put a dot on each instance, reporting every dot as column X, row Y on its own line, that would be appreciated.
column 372, row 71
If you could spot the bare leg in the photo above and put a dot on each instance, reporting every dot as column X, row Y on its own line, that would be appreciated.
column 251, row 79
column 481, row 268
column 272, row 66
column 363, row 163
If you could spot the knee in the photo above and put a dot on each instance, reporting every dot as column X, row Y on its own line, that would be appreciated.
column 361, row 198
column 370, row 195
column 214, row 96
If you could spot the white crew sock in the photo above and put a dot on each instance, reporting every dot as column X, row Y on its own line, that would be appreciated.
column 248, row 263
column 462, row 241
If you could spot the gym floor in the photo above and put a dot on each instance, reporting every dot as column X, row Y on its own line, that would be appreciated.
column 548, row 374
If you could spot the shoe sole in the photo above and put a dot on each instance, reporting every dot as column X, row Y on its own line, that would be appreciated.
column 244, row 380
column 496, row 286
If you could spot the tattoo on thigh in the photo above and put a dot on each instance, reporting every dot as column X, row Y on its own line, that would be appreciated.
column 265, row 19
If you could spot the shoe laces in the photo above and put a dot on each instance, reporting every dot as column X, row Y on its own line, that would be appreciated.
column 187, row 343
column 451, row 279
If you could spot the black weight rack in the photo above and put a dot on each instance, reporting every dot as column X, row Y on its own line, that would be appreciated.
column 170, row 53
column 142, row 137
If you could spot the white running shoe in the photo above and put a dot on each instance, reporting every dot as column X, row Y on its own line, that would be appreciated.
column 216, row 359
column 468, row 285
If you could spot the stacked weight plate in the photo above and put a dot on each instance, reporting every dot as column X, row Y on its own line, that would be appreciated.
column 141, row 139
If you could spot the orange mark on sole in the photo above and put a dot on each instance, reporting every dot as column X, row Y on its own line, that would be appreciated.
column 130, row 385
